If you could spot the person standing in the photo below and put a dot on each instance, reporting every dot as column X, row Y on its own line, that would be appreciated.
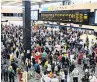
column 6, row 73
column 92, row 78
column 75, row 74
column 55, row 79
column 49, row 68
column 46, row 79
column 17, row 52
column 11, row 74
column 66, row 73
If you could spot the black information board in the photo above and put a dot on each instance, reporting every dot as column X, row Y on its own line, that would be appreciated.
column 66, row 16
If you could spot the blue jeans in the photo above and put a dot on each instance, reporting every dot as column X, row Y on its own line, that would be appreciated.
column 65, row 78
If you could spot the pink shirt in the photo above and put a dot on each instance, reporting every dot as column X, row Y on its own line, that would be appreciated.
column 60, row 58
column 58, row 47
column 95, row 80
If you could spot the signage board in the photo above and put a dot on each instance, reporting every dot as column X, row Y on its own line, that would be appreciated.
column 35, row 15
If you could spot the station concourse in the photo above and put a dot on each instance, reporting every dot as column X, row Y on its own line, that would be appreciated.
column 48, row 41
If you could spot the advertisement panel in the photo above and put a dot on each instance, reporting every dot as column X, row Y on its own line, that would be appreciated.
column 35, row 15
column 95, row 16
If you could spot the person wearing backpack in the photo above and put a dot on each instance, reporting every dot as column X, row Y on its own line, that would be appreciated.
column 11, row 74
column 37, row 68
column 86, row 78
column 66, row 73
column 29, row 64
column 5, row 72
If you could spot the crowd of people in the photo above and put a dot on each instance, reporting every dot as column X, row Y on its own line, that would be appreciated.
column 11, row 51
column 60, row 52
column 58, row 55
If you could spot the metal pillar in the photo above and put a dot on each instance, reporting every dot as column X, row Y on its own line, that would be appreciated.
column 27, row 28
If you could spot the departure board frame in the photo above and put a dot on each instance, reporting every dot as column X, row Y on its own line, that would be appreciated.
column 68, row 16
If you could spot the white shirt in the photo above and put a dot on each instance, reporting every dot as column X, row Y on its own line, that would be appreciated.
column 56, row 68
column 58, row 47
column 75, row 73
column 37, row 53
column 54, row 80
column 62, row 75
column 47, row 79
column 92, row 78
column 49, row 67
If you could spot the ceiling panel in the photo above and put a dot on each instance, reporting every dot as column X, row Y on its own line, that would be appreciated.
column 19, row 2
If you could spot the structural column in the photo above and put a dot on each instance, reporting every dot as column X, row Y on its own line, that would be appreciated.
column 27, row 28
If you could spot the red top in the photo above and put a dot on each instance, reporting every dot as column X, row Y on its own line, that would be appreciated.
column 96, row 50
column 68, row 52
column 38, row 48
column 80, row 56
column 36, row 55
column 60, row 58
column 20, row 79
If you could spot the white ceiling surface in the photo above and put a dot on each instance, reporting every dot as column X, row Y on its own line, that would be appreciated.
column 34, row 2
column 83, row 1
column 19, row 2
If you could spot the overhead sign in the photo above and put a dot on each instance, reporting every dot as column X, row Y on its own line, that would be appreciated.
column 95, row 17
column 34, row 14
column 44, row 9
column 47, row 9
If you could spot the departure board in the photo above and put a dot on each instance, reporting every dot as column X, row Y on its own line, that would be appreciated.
column 77, row 17
column 81, row 17
column 66, row 16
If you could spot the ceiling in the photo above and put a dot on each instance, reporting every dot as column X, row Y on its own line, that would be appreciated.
column 33, row 2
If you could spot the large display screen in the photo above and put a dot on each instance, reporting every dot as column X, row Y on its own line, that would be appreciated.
column 70, row 16
column 95, row 16
column 34, row 14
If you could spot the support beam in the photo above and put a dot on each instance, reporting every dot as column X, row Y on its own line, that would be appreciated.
column 39, row 5
column 27, row 28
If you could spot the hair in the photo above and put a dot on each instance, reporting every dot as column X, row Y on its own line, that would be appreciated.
column 45, row 73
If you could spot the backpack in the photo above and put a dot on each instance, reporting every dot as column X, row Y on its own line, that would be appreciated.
column 83, row 79
column 66, row 71
column 29, row 65
column 11, row 73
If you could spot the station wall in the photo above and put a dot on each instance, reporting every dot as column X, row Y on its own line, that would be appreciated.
column 90, row 6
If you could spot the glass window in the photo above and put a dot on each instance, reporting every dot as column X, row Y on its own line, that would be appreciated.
column 7, row 14
column 4, row 14
column 11, row 14
column 15, row 14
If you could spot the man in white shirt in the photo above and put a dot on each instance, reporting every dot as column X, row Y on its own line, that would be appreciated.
column 49, row 68
column 62, row 76
column 55, row 79
column 75, row 74
column 47, row 79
